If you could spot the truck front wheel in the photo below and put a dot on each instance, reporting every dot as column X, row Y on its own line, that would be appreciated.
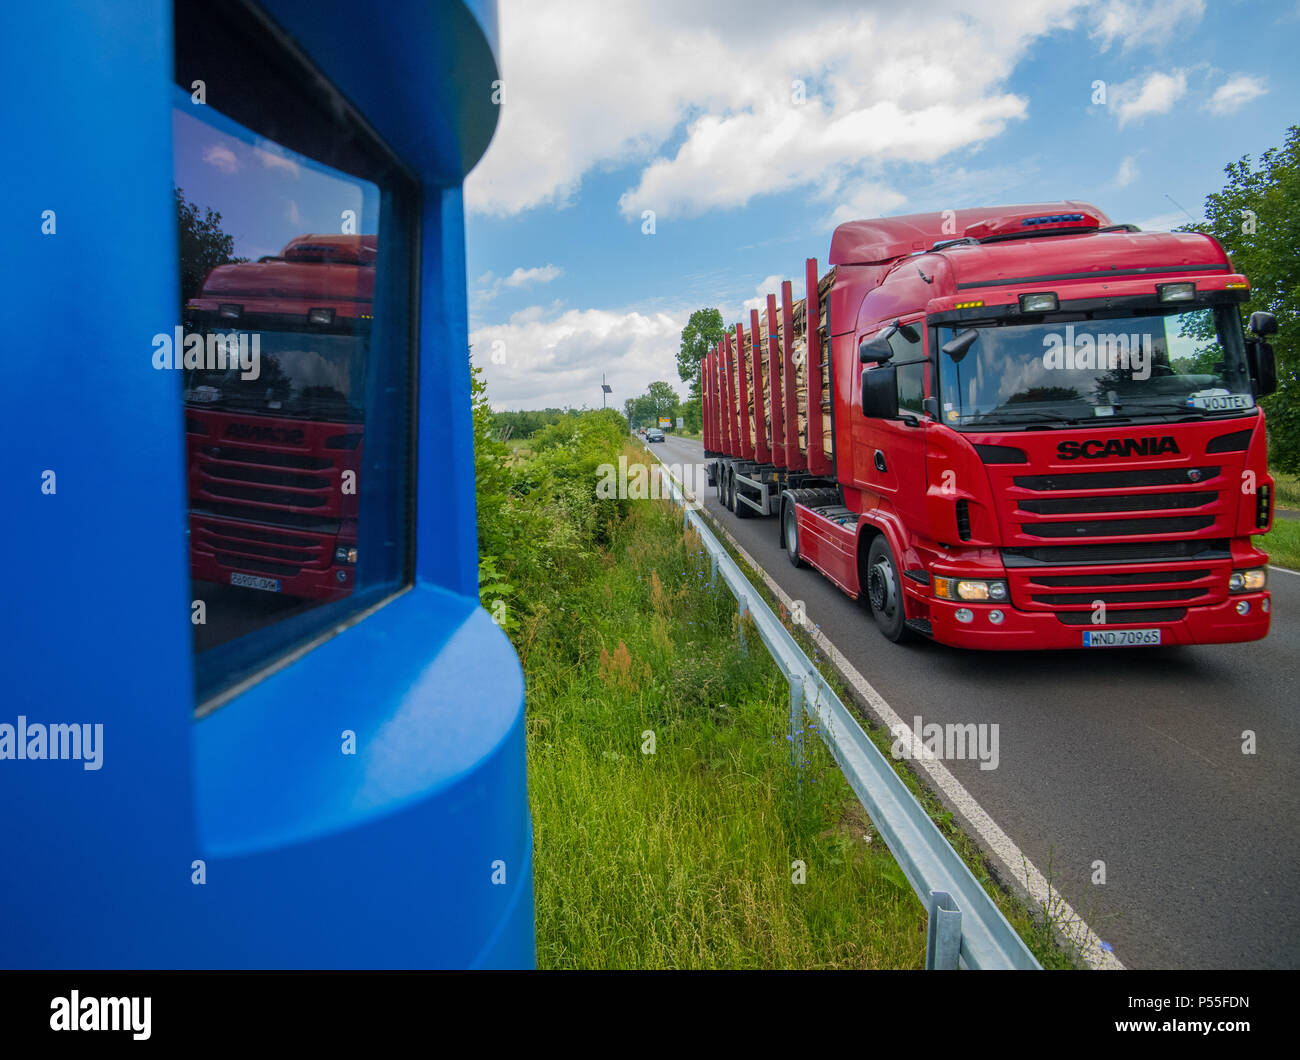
column 792, row 534
column 884, row 591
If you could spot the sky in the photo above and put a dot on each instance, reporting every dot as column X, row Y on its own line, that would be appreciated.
column 266, row 194
column 752, row 127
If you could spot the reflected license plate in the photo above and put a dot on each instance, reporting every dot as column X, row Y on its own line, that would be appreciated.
column 272, row 585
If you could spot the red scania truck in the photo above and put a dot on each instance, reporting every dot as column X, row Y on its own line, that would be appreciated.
column 1010, row 427
column 275, row 455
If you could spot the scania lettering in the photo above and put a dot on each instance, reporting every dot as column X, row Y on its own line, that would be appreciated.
column 1095, row 448
column 1010, row 427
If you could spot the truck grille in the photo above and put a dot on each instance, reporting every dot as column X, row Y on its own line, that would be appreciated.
column 1144, row 498
column 261, row 549
column 268, row 484
column 1125, row 618
column 1131, row 503
column 1101, row 480
column 1115, row 527
column 1135, row 552
column 1056, row 579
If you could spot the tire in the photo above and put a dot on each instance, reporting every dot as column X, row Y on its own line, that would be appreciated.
column 884, row 592
column 790, row 521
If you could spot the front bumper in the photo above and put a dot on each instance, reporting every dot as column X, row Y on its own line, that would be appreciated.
column 1043, row 630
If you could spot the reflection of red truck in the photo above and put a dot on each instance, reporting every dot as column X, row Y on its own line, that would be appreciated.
column 1013, row 427
column 275, row 455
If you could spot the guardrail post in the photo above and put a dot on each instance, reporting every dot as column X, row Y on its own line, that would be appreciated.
column 713, row 568
column 742, row 609
column 796, row 716
column 943, row 937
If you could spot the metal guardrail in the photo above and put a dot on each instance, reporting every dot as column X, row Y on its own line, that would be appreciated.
column 966, row 928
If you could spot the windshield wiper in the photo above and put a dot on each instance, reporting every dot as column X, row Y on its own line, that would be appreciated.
column 992, row 419
column 1140, row 408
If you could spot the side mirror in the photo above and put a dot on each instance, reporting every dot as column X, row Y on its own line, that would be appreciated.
column 1263, row 324
column 957, row 347
column 876, row 351
column 1263, row 365
column 880, row 392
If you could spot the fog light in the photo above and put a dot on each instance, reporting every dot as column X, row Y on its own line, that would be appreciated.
column 1043, row 302
column 996, row 617
column 341, row 575
column 1243, row 607
column 963, row 614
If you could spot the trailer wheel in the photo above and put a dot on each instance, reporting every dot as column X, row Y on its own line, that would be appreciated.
column 791, row 521
column 884, row 592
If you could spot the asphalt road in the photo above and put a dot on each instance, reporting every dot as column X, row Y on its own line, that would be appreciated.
column 1134, row 759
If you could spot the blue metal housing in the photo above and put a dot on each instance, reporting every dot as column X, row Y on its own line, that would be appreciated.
column 311, row 857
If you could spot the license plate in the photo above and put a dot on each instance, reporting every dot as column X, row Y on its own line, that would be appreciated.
column 1119, row 638
column 267, row 585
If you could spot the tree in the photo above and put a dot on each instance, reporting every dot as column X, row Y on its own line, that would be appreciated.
column 203, row 245
column 662, row 399
column 703, row 331
column 1257, row 219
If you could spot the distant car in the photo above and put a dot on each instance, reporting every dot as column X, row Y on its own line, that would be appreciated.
column 654, row 434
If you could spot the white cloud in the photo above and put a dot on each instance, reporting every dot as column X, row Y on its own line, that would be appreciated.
column 1235, row 93
column 489, row 284
column 1156, row 94
column 1128, row 171
column 771, row 285
column 292, row 215
column 223, row 158
column 272, row 159
column 526, row 277
column 1143, row 22
column 555, row 358
column 701, row 99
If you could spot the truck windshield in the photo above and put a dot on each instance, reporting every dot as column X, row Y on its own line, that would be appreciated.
column 320, row 376
column 1157, row 363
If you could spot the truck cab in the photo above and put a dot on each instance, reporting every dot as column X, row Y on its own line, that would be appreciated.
column 1051, row 423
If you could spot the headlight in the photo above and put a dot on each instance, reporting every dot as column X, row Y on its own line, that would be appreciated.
column 970, row 589
column 1247, row 581
column 345, row 555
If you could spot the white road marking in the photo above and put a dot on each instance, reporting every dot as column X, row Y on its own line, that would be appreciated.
column 994, row 840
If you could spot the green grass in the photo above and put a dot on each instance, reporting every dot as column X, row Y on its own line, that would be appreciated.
column 683, row 858
column 1032, row 923
column 1288, row 489
column 1282, row 543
